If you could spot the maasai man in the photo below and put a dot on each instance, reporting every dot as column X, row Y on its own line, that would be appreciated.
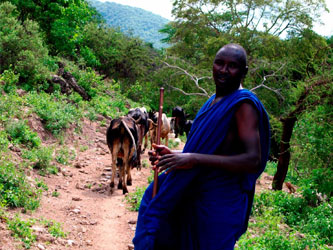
column 205, row 193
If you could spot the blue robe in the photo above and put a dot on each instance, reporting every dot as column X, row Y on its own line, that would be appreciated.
column 202, row 208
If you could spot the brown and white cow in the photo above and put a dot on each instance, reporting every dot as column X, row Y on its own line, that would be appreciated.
column 165, row 128
column 122, row 140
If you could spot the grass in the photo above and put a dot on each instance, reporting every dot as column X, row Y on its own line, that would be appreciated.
column 134, row 199
column 22, row 229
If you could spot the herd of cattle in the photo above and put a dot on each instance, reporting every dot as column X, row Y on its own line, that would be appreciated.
column 127, row 138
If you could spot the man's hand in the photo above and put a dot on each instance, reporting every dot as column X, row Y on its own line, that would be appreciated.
column 171, row 162
column 160, row 150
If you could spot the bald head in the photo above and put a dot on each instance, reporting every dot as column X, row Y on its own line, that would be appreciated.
column 236, row 50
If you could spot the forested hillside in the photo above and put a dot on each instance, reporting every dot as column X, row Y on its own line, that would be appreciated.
column 65, row 73
column 135, row 21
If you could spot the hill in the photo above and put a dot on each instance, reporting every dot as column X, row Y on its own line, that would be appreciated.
column 134, row 21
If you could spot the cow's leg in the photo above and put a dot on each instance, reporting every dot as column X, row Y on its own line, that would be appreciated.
column 146, row 143
column 123, row 174
column 114, row 153
column 166, row 140
column 127, row 167
column 129, row 176
column 138, row 160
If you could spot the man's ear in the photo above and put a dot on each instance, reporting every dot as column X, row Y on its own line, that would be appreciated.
column 246, row 70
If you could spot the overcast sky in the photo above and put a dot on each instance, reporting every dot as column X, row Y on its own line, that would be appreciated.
column 164, row 7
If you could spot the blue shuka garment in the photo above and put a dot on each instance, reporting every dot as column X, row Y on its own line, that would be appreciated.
column 202, row 208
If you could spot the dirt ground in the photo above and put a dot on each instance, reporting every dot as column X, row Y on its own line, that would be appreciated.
column 94, row 217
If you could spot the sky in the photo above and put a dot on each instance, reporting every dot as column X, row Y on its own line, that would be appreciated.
column 164, row 7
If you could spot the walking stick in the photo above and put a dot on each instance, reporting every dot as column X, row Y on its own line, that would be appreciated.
column 159, row 124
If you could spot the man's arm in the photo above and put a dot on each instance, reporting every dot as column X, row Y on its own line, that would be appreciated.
column 248, row 162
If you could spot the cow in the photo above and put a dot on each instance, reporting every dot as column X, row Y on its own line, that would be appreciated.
column 122, row 140
column 180, row 120
column 140, row 116
column 172, row 124
column 188, row 126
column 165, row 128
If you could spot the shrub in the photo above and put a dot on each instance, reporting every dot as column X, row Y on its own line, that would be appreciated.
column 20, row 132
column 54, row 110
column 15, row 190
column 9, row 79
column 41, row 159
column 22, row 230
column 134, row 199
column 3, row 141
column 298, row 213
column 64, row 155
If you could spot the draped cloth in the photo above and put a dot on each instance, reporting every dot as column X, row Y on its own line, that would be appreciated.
column 203, row 208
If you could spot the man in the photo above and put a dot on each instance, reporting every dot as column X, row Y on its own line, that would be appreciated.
column 206, row 192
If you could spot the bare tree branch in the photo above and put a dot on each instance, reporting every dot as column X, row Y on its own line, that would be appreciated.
column 262, row 84
column 194, row 78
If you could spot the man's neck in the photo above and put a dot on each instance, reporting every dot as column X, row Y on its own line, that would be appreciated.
column 220, row 93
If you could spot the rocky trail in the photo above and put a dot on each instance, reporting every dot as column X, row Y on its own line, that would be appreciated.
column 93, row 217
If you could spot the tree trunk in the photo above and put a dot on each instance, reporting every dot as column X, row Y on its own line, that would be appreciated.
column 68, row 83
column 284, row 157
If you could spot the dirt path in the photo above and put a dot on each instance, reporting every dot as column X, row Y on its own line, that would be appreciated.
column 95, row 218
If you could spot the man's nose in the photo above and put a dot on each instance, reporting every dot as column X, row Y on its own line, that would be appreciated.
column 224, row 68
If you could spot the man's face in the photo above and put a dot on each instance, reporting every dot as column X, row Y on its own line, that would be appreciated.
column 228, row 69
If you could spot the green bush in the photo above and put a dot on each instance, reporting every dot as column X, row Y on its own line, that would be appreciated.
column 298, row 213
column 23, row 47
column 15, row 190
column 54, row 110
column 22, row 230
column 11, row 107
column 3, row 141
column 270, row 233
column 54, row 228
column 64, row 155
column 20, row 133
column 134, row 199
column 9, row 80
column 41, row 159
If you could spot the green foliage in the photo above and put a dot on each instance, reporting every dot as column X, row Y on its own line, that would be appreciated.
column 41, row 159
column 10, row 107
column 64, row 155
column 54, row 110
column 150, row 178
column 22, row 46
column 312, row 148
column 89, row 57
column 9, row 80
column 269, row 232
column 3, row 141
column 20, row 132
column 299, row 214
column 173, row 144
column 134, row 199
column 54, row 228
column 22, row 230
column 15, row 190
column 55, row 194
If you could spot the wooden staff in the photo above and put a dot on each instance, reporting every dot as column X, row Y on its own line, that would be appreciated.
column 158, row 142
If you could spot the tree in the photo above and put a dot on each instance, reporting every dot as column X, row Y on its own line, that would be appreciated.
column 62, row 21
column 22, row 48
column 202, row 26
